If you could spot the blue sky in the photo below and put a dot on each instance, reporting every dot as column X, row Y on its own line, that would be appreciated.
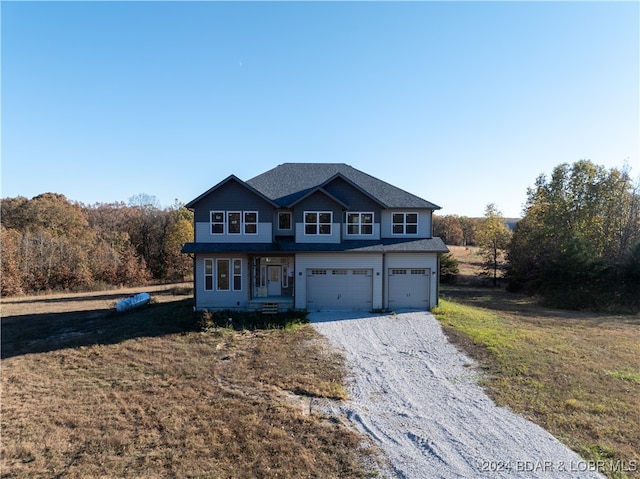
column 461, row 103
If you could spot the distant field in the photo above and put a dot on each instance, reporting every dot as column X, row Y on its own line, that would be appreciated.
column 575, row 374
column 469, row 263
column 87, row 392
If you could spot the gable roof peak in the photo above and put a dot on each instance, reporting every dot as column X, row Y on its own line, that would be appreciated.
column 287, row 182
column 229, row 178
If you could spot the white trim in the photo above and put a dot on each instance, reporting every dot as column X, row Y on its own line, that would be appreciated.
column 218, row 271
column 404, row 223
column 317, row 223
column 226, row 226
column 239, row 213
column 211, row 275
column 290, row 228
column 223, row 222
column 231, row 274
column 244, row 222
column 234, row 275
column 359, row 224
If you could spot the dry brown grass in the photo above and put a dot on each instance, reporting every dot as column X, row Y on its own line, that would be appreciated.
column 133, row 396
column 469, row 264
column 576, row 374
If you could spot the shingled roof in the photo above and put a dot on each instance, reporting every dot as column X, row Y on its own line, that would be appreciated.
column 287, row 183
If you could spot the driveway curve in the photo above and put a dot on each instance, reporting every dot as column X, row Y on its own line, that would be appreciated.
column 417, row 396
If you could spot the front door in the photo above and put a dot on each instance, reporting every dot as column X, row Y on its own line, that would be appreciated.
column 274, row 283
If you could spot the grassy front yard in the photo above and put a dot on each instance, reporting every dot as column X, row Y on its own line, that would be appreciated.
column 143, row 395
column 575, row 374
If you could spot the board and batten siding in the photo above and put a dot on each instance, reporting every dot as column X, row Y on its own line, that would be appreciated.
column 221, row 299
column 232, row 197
column 332, row 261
column 424, row 224
column 413, row 261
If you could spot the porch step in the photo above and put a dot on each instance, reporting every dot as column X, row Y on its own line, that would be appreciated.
column 269, row 308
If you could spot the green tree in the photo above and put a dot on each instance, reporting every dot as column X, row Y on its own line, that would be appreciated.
column 448, row 268
column 180, row 231
column 578, row 232
column 493, row 238
column 469, row 230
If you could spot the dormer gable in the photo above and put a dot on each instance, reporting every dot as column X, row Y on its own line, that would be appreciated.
column 352, row 195
column 223, row 187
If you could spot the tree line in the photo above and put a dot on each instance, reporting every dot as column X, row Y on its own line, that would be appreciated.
column 578, row 243
column 52, row 243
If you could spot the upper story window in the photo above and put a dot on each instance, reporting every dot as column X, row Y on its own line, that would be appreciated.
column 234, row 222
column 284, row 220
column 360, row 223
column 250, row 222
column 405, row 223
column 217, row 222
column 317, row 222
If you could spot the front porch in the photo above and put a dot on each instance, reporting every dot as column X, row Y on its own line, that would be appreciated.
column 271, row 304
column 272, row 283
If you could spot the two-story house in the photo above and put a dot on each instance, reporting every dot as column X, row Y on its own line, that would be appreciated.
column 313, row 236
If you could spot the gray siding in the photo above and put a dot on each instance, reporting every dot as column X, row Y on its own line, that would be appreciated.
column 353, row 197
column 203, row 234
column 232, row 196
column 424, row 223
column 317, row 202
column 221, row 299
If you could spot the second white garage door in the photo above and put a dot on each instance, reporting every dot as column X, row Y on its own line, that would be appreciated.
column 339, row 289
column 409, row 288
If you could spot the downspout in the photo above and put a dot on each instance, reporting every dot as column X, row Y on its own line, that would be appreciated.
column 385, row 304
column 195, row 284
column 438, row 280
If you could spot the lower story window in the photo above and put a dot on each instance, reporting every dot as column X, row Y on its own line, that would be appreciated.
column 208, row 274
column 227, row 274
column 223, row 275
column 237, row 274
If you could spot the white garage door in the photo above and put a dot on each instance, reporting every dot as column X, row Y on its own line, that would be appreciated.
column 409, row 288
column 340, row 289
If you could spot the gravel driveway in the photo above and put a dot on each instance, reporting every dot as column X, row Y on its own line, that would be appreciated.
column 417, row 396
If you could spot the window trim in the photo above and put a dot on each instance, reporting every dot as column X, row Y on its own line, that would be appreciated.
column 404, row 223
column 219, row 271
column 229, row 213
column 222, row 223
column 210, row 275
column 359, row 224
column 318, row 224
column 245, row 222
column 235, row 275
column 225, row 225
column 285, row 213
column 231, row 274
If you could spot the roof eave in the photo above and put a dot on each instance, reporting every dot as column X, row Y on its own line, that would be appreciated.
column 318, row 189
column 191, row 204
